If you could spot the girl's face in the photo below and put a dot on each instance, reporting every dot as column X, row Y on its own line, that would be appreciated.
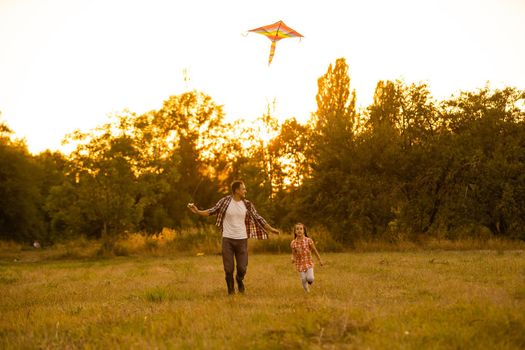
column 299, row 230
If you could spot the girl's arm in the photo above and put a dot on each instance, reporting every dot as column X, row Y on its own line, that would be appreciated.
column 312, row 246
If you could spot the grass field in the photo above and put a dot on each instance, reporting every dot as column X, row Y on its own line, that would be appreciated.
column 382, row 300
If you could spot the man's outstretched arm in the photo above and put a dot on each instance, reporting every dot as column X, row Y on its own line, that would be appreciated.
column 267, row 227
column 196, row 210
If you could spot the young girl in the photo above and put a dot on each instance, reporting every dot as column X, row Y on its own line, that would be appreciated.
column 302, row 248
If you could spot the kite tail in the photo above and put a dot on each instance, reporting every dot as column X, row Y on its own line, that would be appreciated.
column 272, row 51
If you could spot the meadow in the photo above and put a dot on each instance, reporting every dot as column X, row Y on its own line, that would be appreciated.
column 415, row 299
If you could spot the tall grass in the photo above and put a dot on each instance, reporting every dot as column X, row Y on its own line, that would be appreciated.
column 281, row 243
column 207, row 241
column 365, row 300
column 432, row 243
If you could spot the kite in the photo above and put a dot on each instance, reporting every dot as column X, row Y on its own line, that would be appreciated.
column 276, row 32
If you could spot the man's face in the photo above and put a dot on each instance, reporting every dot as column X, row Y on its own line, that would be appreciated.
column 241, row 191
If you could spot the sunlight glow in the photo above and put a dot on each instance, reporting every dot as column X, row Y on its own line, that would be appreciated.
column 68, row 64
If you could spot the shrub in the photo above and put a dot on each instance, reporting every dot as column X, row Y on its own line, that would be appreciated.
column 281, row 244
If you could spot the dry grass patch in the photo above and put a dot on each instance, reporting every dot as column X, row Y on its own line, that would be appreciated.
column 394, row 300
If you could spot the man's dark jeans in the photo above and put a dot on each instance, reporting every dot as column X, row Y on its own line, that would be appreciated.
column 234, row 249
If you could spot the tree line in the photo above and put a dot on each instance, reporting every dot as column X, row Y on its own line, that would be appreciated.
column 405, row 167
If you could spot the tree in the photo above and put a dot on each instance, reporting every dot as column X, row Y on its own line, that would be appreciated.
column 377, row 162
column 103, row 174
column 52, row 168
column 191, row 126
column 487, row 130
column 334, row 123
column 399, row 150
column 291, row 148
column 20, row 197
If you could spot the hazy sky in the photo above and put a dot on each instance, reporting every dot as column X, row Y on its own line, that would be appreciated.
column 67, row 64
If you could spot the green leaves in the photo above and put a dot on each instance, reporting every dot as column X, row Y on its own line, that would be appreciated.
column 405, row 166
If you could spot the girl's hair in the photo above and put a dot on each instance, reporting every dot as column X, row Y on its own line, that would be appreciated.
column 304, row 229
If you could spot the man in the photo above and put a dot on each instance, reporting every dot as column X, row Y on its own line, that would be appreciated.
column 238, row 221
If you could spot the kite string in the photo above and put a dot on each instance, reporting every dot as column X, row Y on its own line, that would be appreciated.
column 195, row 191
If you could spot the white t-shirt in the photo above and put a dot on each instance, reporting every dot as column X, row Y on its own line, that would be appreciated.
column 234, row 226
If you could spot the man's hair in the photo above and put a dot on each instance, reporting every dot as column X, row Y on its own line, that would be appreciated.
column 235, row 185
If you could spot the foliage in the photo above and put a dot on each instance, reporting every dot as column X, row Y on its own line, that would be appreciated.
column 331, row 146
column 406, row 167
column 21, row 216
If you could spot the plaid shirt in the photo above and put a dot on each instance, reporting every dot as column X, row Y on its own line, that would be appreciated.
column 254, row 222
column 302, row 256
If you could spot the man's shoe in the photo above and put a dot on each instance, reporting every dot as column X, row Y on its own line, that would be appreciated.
column 230, row 284
column 240, row 285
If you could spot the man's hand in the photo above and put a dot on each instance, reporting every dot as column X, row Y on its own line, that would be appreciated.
column 192, row 207
column 196, row 210
column 268, row 228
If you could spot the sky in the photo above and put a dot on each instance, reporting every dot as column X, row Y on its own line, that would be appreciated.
column 70, row 64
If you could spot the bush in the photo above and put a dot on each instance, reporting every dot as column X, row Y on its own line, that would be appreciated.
column 200, row 240
column 281, row 244
column 324, row 241
column 275, row 244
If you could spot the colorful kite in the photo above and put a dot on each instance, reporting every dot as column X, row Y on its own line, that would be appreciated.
column 276, row 32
